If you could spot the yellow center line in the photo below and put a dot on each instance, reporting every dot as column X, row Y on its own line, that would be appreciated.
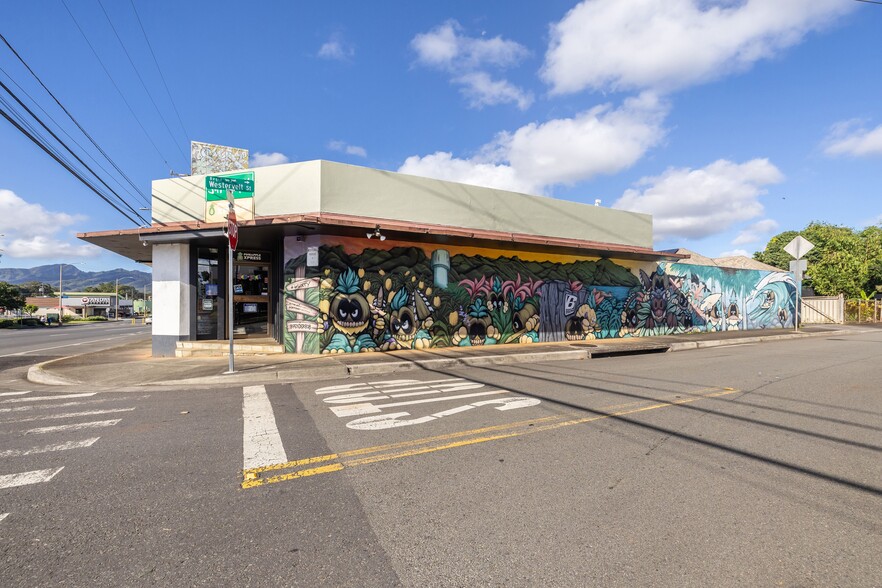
column 425, row 445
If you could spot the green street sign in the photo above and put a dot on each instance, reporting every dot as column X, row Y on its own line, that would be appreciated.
column 242, row 185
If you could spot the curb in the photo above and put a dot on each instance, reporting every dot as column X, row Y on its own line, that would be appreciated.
column 688, row 345
column 38, row 375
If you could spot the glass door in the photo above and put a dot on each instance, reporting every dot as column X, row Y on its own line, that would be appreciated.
column 208, row 290
column 251, row 299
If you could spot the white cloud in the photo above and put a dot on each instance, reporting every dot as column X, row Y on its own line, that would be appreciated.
column 536, row 157
column 669, row 44
column 482, row 90
column 42, row 247
column 346, row 148
column 466, row 59
column 444, row 47
column 336, row 48
column 851, row 138
column 36, row 238
column 758, row 231
column 259, row 159
column 696, row 203
column 735, row 253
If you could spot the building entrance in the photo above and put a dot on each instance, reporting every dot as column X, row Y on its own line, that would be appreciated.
column 251, row 298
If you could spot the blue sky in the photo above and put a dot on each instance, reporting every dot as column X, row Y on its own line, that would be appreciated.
column 729, row 121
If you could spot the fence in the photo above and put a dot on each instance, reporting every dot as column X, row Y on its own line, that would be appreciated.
column 863, row 311
column 822, row 309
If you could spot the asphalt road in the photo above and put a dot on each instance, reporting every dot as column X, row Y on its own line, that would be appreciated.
column 753, row 465
column 24, row 347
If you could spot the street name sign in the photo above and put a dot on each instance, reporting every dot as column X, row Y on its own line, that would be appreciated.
column 224, row 183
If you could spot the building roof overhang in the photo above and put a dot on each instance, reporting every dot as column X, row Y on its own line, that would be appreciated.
column 254, row 234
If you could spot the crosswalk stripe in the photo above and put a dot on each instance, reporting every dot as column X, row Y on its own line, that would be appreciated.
column 14, row 393
column 48, row 448
column 73, row 427
column 67, row 415
column 66, row 404
column 261, row 443
column 25, row 478
column 56, row 397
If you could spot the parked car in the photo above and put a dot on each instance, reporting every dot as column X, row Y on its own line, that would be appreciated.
column 148, row 320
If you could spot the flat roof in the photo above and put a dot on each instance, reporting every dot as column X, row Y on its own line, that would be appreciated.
column 334, row 198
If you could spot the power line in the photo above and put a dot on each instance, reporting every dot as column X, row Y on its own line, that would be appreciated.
column 140, row 79
column 75, row 142
column 54, row 156
column 69, row 150
column 70, row 116
column 112, row 81
column 159, row 69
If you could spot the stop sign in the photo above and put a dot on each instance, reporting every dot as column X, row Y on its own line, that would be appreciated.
column 232, row 229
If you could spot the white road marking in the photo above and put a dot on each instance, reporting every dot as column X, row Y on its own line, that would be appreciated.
column 3, row 516
column 25, row 478
column 58, row 397
column 61, row 346
column 73, row 427
column 370, row 408
column 384, row 384
column 393, row 420
column 62, row 405
column 67, row 415
column 48, row 448
column 261, row 443
column 14, row 393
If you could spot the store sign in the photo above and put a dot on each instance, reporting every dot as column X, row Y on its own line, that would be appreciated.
column 96, row 300
column 259, row 256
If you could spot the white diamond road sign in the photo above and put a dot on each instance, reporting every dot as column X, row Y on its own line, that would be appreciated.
column 799, row 247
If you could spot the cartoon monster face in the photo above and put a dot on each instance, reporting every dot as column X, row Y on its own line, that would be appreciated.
column 478, row 322
column 350, row 312
column 525, row 319
column 403, row 324
column 582, row 325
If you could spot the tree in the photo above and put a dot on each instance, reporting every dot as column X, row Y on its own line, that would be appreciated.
column 11, row 297
column 103, row 287
column 33, row 288
column 30, row 309
column 843, row 260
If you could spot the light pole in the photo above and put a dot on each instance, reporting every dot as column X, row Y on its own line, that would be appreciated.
column 60, row 306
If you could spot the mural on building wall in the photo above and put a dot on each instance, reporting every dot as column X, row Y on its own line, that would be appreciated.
column 403, row 298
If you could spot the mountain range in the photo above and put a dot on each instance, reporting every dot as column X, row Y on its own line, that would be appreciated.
column 74, row 279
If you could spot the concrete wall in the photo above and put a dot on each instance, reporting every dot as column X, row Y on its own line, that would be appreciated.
column 322, row 186
column 400, row 295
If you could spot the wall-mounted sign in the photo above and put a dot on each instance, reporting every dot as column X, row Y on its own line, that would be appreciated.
column 208, row 158
column 312, row 256
column 257, row 256
column 96, row 300
column 207, row 304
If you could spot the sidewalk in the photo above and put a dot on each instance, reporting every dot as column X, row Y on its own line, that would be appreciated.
column 132, row 364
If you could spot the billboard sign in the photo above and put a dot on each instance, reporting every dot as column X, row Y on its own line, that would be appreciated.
column 208, row 158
